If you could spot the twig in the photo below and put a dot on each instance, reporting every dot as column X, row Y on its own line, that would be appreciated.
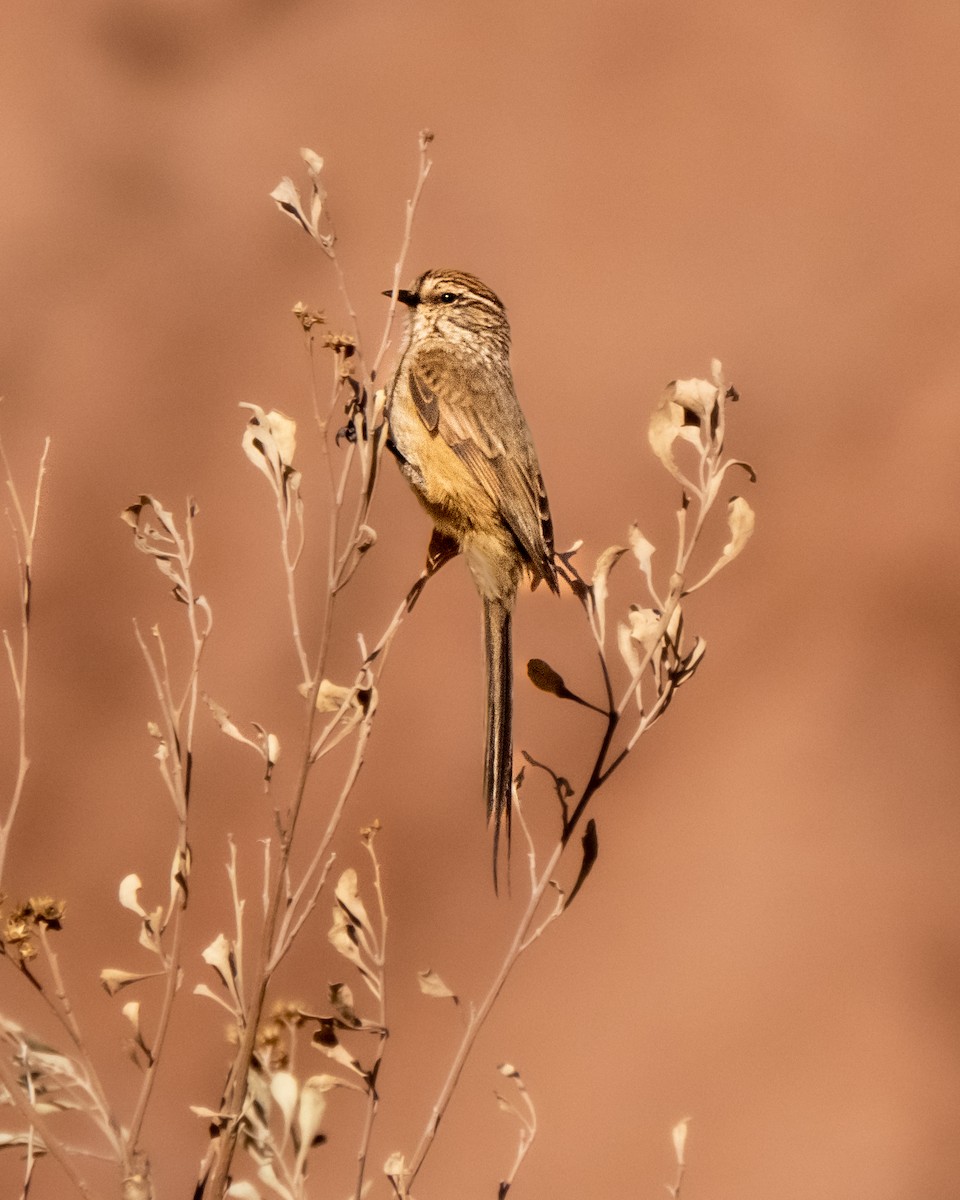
column 426, row 137
column 24, row 529
column 658, row 644
column 379, row 960
column 65, row 1013
column 277, row 936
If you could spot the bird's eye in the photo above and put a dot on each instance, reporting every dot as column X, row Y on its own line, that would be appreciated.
column 446, row 297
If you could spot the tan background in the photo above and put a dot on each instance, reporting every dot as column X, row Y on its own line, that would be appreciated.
column 770, row 940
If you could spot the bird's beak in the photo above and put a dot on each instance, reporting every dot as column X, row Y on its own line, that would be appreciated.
column 410, row 299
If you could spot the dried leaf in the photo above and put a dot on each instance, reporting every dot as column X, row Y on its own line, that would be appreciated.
column 544, row 677
column 679, row 1134
column 598, row 585
column 114, row 980
column 432, row 985
column 22, row 1139
column 590, row 847
column 150, row 931
column 341, row 1000
column 645, row 627
column 698, row 397
column 287, row 196
column 222, row 718
column 628, row 649
column 396, row 1165
column 682, row 408
column 201, row 989
column 313, row 161
column 267, row 1175
column 273, row 749
column 130, row 885
column 219, row 955
column 689, row 664
column 243, row 1191
column 741, row 520
column 643, row 552
column 345, row 939
column 269, row 442
column 326, row 1039
column 313, row 1105
column 333, row 696
column 347, row 895
column 285, row 1090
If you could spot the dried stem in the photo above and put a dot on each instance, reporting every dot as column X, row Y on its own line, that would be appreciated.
column 282, row 921
column 175, row 763
column 659, row 647
column 379, row 961
column 37, row 1121
column 528, row 1126
column 426, row 137
column 23, row 525
column 64, row 1011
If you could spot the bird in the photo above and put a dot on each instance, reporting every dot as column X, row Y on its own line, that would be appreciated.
column 464, row 446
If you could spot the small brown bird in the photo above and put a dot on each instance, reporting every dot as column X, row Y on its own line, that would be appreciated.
column 463, row 444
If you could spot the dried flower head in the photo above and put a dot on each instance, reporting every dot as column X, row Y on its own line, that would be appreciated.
column 272, row 1046
column 369, row 832
column 287, row 1012
column 16, row 929
column 308, row 317
column 340, row 343
column 46, row 911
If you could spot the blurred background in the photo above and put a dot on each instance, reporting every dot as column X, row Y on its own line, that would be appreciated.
column 770, row 941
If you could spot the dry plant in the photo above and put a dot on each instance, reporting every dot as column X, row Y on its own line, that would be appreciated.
column 267, row 1125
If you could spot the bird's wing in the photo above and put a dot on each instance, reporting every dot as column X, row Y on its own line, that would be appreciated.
column 485, row 428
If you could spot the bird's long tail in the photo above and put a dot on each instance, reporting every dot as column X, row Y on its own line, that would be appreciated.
column 498, row 759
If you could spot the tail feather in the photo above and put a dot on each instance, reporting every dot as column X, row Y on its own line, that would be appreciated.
column 498, row 759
